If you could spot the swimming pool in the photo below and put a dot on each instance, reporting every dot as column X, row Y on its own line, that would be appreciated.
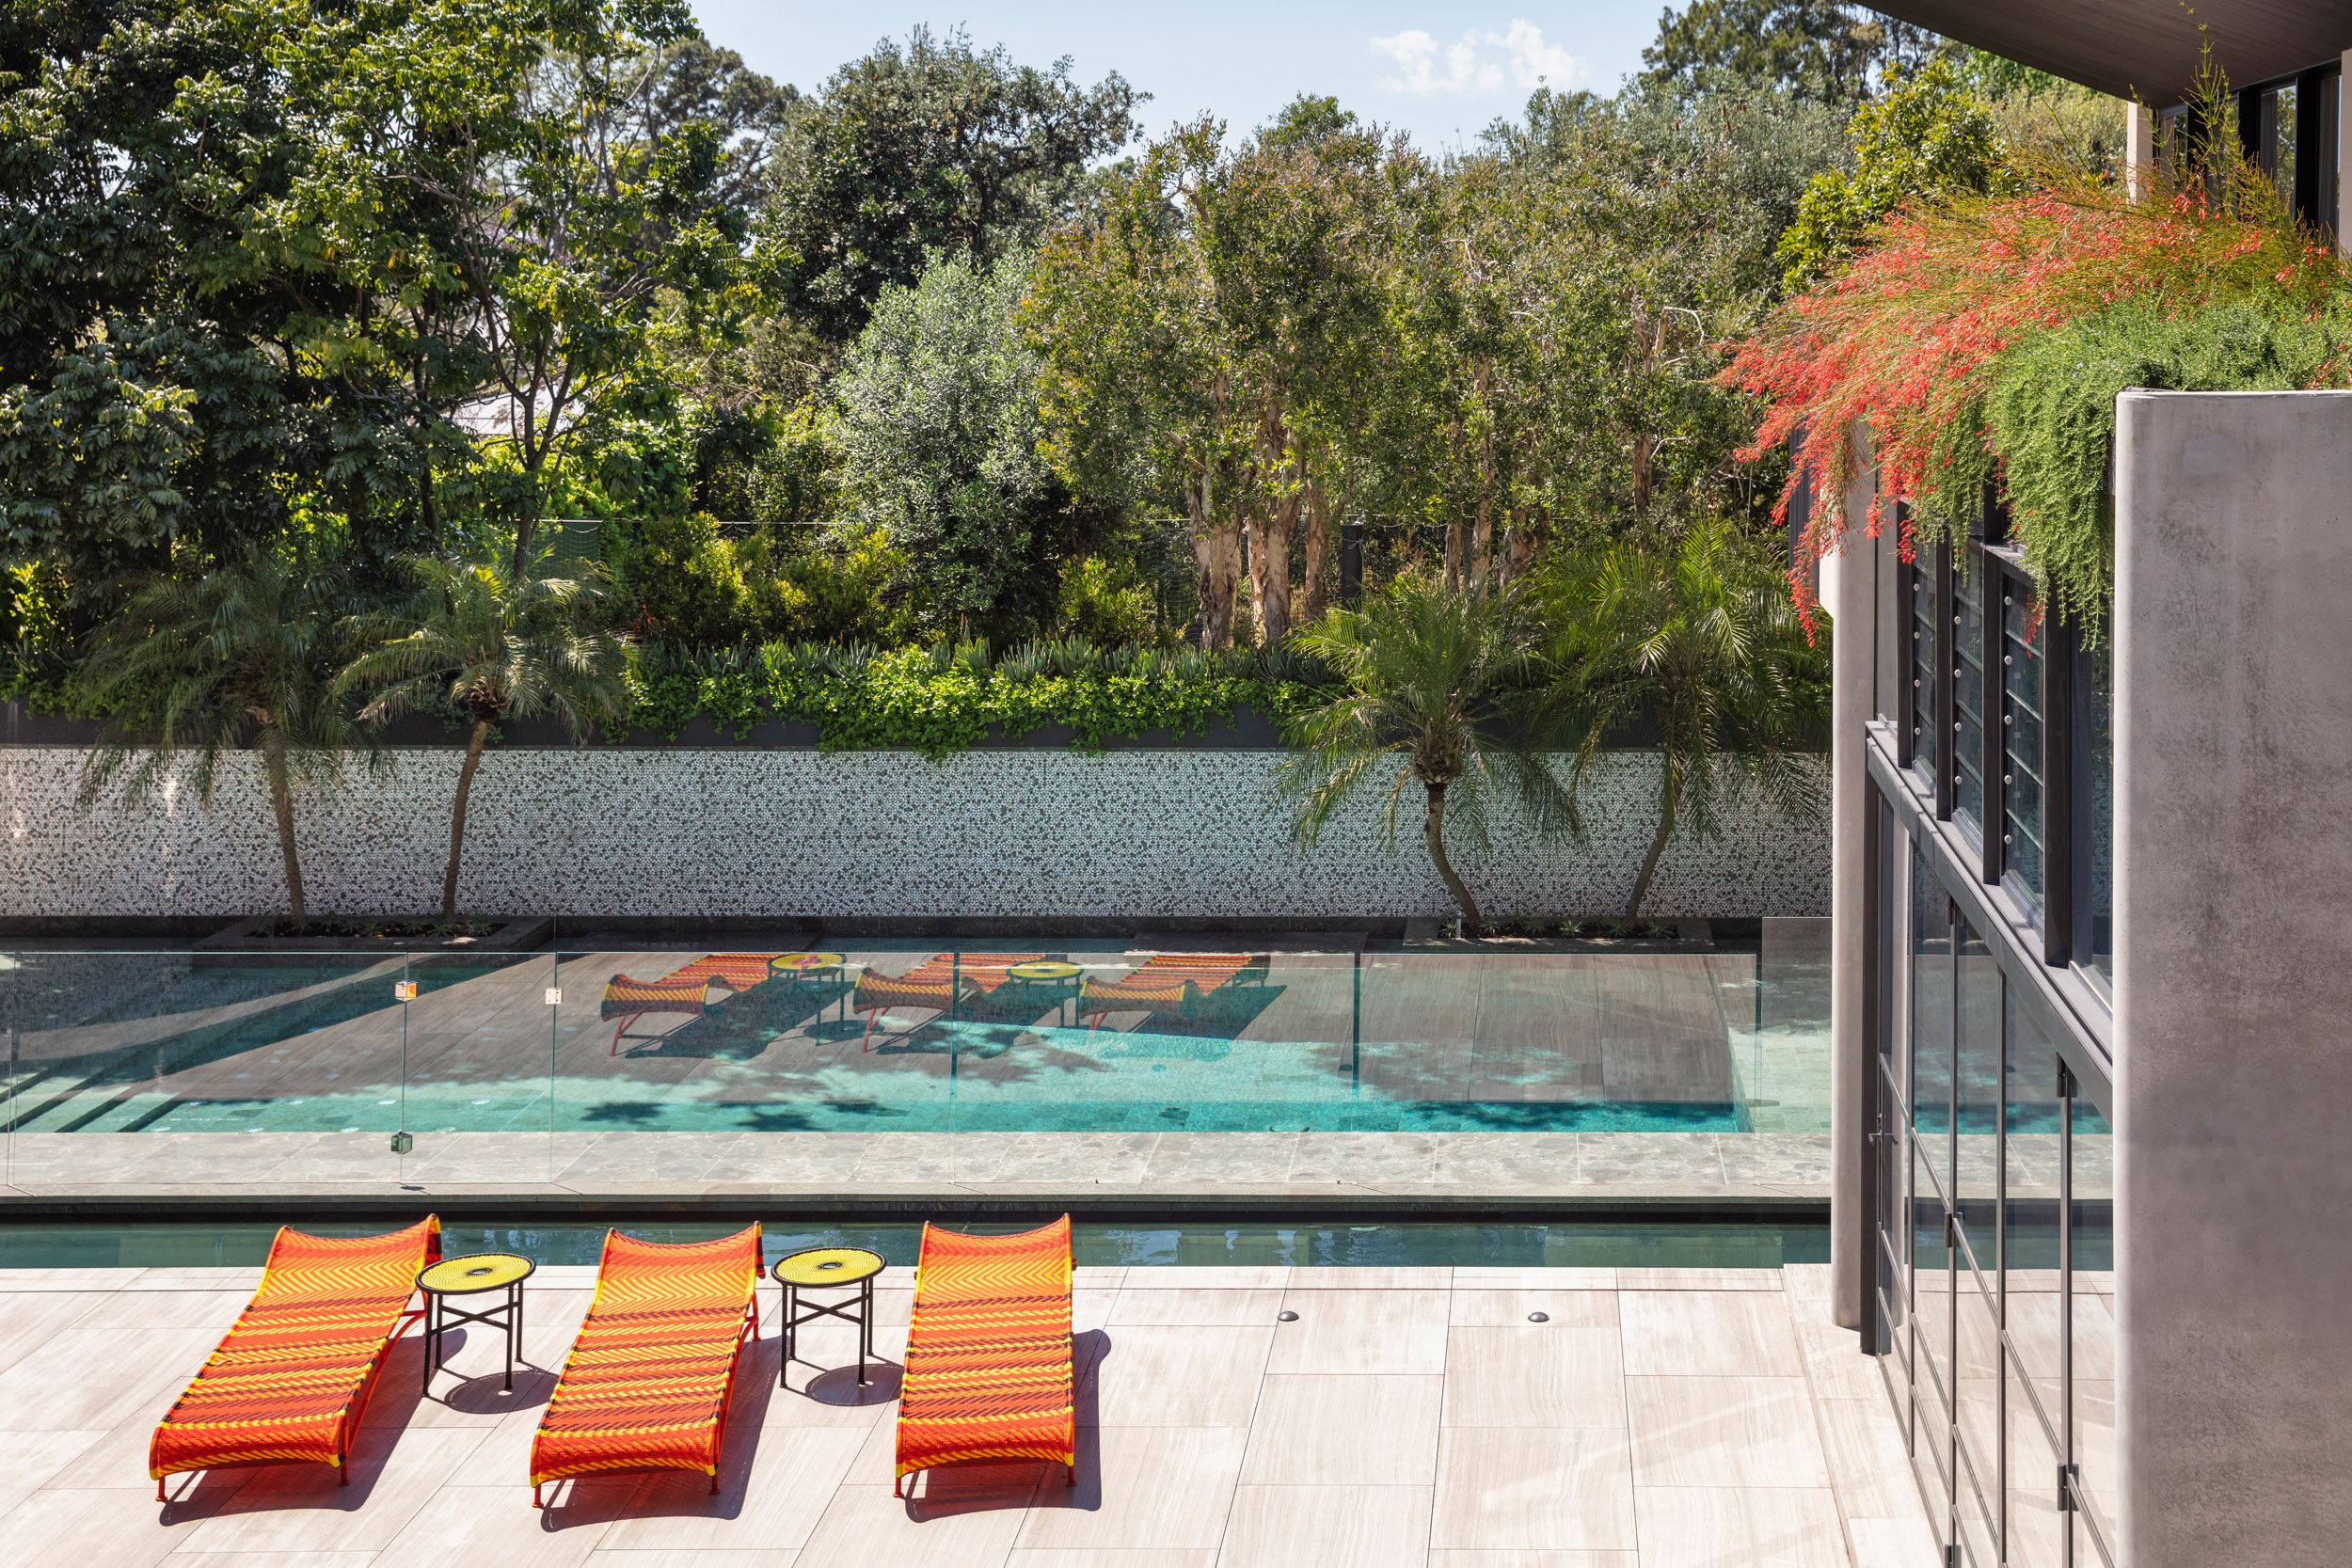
column 1762, row 1244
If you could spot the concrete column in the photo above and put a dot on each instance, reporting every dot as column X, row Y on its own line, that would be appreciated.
column 2233, row 977
column 1849, row 590
column 2140, row 151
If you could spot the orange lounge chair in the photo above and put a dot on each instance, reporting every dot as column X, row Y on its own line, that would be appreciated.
column 647, row 1383
column 936, row 985
column 685, row 990
column 1176, row 983
column 290, row 1382
column 989, row 1374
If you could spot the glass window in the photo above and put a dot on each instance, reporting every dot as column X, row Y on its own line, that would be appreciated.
column 2091, row 1324
column 2032, row 1151
column 1925, row 741
column 2274, row 140
column 1976, row 1189
column 2327, row 157
column 1968, row 694
column 2094, row 811
column 2021, row 644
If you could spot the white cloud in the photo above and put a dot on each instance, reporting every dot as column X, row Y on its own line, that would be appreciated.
column 1478, row 63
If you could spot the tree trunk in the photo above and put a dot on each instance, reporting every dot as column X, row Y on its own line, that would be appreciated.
column 1216, row 547
column 1669, row 797
column 1527, row 528
column 281, row 806
column 1453, row 525
column 1270, row 571
column 1481, row 543
column 1433, row 835
column 457, row 814
column 1318, row 548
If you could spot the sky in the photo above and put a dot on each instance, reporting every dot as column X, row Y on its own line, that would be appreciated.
column 1442, row 72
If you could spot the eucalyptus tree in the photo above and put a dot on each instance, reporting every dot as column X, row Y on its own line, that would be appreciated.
column 1137, row 389
column 1694, row 638
column 1440, row 690
column 194, row 668
column 1223, row 295
column 490, row 643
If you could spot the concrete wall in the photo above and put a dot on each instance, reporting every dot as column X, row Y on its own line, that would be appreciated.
column 2233, row 977
column 1133, row 834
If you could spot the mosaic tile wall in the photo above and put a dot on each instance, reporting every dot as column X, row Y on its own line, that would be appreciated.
column 1004, row 833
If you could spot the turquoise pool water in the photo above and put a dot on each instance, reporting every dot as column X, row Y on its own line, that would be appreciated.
column 1563, row 1244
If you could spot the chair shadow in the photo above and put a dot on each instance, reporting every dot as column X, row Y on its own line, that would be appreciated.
column 1029, row 1483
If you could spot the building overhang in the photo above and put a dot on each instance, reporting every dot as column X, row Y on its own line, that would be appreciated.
column 2143, row 49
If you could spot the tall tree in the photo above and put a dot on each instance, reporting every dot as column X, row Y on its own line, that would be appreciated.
column 1441, row 687
column 492, row 644
column 197, row 667
column 939, row 442
column 931, row 146
column 1821, row 49
column 1694, row 638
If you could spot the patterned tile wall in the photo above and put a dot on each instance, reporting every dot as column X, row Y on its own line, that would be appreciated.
column 1004, row 834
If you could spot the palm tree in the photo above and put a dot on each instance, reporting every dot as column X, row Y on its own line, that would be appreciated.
column 1441, row 687
column 1694, row 640
column 195, row 667
column 495, row 643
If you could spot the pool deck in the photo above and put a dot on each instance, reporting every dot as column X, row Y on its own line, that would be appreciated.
column 519, row 1174
column 1408, row 1418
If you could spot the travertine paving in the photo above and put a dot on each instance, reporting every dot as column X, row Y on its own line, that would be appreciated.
column 1436, row 1169
column 1413, row 1418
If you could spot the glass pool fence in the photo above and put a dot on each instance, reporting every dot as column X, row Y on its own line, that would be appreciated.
column 178, row 1066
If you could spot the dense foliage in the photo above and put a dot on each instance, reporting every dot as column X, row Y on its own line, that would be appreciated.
column 1980, row 338
column 947, row 698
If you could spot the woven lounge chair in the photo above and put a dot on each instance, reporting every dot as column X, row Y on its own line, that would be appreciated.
column 935, row 985
column 1173, row 983
column 989, row 1374
column 290, row 1382
column 647, row 1383
column 685, row 990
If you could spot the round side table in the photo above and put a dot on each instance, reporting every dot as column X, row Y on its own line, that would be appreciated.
column 795, row 968
column 1061, row 978
column 840, row 1268
column 470, row 1276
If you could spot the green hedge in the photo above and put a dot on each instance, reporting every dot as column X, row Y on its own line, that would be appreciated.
column 939, row 702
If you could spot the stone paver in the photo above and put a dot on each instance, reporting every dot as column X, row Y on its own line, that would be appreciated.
column 1661, row 1419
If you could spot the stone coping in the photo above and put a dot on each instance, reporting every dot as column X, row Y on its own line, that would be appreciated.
column 1432, row 1174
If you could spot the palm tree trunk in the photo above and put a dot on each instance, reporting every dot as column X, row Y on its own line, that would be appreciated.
column 1433, row 835
column 281, row 805
column 457, row 816
column 1669, row 797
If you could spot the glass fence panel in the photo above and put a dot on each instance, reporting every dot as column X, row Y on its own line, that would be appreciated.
column 2036, row 1526
column 477, row 1096
column 527, row 1066
column 2091, row 1325
column 1977, row 1386
column 121, row 1063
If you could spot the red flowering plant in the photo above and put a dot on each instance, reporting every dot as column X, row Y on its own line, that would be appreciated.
column 1909, row 342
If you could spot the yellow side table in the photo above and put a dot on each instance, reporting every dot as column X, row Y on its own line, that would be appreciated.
column 837, row 1268
column 473, row 1274
column 1062, row 977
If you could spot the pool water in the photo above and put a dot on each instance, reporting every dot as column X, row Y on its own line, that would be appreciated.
column 1576, row 1244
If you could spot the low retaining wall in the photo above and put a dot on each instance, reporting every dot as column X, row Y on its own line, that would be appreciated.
column 1008, row 835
